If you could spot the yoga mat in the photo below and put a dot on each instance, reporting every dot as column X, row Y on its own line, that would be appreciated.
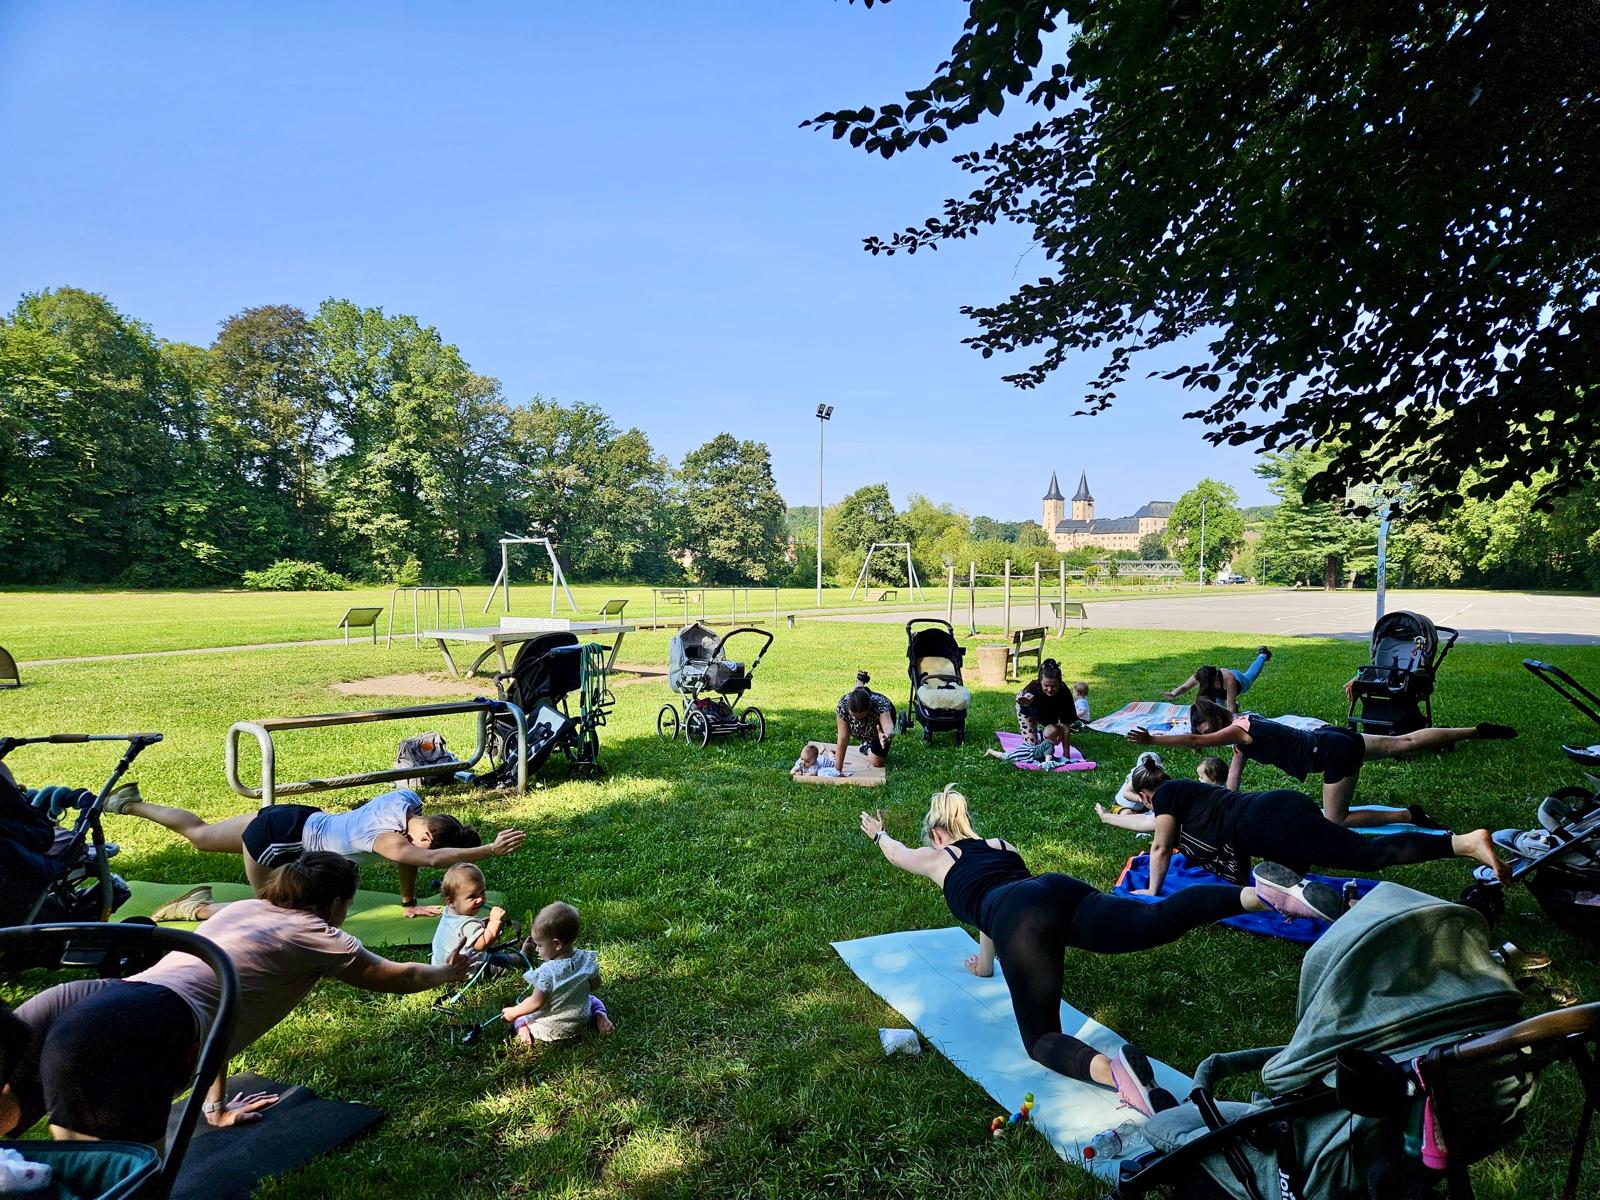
column 228, row 1164
column 1158, row 716
column 1076, row 762
column 1380, row 830
column 861, row 772
column 969, row 1020
column 375, row 917
column 1182, row 874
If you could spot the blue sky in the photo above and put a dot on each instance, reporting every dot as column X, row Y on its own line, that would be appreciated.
column 610, row 203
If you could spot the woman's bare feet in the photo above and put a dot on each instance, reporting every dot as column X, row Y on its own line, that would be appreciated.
column 1100, row 811
column 1480, row 846
column 604, row 1024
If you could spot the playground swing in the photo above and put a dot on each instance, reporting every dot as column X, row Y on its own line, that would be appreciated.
column 502, row 581
column 913, row 585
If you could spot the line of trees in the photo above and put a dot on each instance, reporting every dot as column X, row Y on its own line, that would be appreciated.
column 349, row 438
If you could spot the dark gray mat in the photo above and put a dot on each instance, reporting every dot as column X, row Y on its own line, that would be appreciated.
column 227, row 1164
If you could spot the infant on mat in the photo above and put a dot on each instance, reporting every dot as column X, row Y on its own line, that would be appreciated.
column 811, row 762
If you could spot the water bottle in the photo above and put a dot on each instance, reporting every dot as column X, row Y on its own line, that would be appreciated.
column 1112, row 1143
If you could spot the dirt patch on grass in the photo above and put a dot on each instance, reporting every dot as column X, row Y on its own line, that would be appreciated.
column 626, row 673
column 416, row 685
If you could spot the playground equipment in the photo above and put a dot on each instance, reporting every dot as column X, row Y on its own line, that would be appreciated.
column 911, row 570
column 1057, row 606
column 441, row 605
column 502, row 581
column 682, row 602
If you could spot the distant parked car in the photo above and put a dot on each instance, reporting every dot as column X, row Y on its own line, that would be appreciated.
column 1230, row 577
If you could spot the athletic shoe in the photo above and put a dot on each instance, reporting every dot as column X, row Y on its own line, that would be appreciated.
column 1135, row 1081
column 186, row 907
column 1488, row 731
column 117, row 803
column 1265, row 652
column 1289, row 894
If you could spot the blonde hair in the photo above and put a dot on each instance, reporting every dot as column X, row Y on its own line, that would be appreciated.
column 459, row 880
column 1213, row 770
column 948, row 811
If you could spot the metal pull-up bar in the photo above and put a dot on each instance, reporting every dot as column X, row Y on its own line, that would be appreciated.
column 502, row 581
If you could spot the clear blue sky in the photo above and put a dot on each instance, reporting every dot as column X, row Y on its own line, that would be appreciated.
column 611, row 204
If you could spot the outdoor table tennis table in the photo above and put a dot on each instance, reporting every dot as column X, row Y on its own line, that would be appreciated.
column 495, row 638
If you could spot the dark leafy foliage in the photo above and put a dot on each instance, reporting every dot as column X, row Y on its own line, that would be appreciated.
column 1375, row 226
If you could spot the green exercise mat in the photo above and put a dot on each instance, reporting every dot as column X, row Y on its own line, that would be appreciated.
column 375, row 917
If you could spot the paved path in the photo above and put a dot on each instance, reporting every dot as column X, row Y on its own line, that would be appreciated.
column 1480, row 616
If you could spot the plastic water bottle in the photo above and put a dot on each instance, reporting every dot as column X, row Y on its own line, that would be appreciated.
column 1112, row 1143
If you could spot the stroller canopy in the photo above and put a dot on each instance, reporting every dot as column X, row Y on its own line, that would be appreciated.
column 1406, row 640
column 933, row 642
column 546, row 668
column 1400, row 969
column 692, row 646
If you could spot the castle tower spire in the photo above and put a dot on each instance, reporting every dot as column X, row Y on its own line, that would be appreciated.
column 1055, row 507
column 1083, row 500
column 1055, row 489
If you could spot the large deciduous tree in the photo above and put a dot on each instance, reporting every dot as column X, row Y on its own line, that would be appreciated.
column 731, row 517
column 1205, row 520
column 1367, row 226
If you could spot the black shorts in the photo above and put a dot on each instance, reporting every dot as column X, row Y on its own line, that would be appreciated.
column 112, row 1063
column 273, row 837
column 1339, row 754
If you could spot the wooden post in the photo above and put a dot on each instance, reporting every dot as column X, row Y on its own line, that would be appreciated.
column 1008, row 597
column 950, row 593
column 972, row 599
column 1037, row 607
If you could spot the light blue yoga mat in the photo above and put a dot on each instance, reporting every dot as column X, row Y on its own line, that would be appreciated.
column 969, row 1020
column 1379, row 830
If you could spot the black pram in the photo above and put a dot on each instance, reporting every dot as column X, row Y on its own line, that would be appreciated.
column 546, row 671
column 939, row 699
column 1393, row 694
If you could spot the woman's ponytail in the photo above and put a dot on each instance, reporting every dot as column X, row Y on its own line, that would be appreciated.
column 947, row 811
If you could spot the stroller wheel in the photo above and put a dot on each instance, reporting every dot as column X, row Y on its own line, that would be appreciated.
column 697, row 728
column 961, row 736
column 927, row 736
column 1489, row 899
column 752, row 720
column 667, row 723
column 905, row 721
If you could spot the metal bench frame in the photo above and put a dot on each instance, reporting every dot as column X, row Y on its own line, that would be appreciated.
column 271, row 789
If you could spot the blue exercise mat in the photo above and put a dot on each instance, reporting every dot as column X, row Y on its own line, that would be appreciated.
column 969, row 1020
column 1182, row 874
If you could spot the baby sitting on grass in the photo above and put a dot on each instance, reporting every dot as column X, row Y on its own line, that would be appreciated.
column 811, row 762
column 562, row 1003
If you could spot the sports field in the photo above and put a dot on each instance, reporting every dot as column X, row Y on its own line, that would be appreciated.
column 747, row 1061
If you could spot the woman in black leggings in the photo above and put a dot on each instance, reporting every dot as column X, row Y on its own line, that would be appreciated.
column 1225, row 830
column 1029, row 921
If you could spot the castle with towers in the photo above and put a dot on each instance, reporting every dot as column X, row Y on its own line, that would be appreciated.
column 1109, row 533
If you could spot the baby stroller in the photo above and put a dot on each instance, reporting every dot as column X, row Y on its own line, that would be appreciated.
column 51, row 873
column 933, row 661
column 1560, row 859
column 106, row 1170
column 546, row 671
column 1393, row 694
column 697, row 663
column 1400, row 1002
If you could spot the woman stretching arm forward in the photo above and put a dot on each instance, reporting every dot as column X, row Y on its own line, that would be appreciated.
column 1030, row 921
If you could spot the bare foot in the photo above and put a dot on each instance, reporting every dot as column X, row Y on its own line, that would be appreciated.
column 1480, row 846
column 994, row 754
column 604, row 1024
column 1100, row 811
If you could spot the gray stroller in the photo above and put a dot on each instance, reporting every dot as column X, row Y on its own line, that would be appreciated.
column 1405, row 1041
column 698, row 663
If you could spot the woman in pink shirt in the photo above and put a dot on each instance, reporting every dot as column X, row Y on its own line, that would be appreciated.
column 106, row 1057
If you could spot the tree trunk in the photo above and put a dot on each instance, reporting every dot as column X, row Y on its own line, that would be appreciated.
column 1330, row 575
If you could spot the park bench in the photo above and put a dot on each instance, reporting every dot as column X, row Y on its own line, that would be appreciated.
column 9, row 676
column 1069, row 610
column 1025, row 642
column 360, row 618
column 876, row 594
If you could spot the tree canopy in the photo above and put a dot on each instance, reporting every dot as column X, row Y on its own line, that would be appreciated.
column 1205, row 520
column 1369, row 226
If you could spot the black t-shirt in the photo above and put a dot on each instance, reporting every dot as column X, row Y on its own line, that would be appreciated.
column 1047, row 710
column 1207, row 817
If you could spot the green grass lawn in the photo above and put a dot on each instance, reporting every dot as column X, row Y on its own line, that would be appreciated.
column 51, row 623
column 746, row 1061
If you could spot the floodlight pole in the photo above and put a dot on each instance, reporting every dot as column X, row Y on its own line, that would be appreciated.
column 824, row 414
column 1202, row 541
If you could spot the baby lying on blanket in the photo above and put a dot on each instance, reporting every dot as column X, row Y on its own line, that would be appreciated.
column 811, row 762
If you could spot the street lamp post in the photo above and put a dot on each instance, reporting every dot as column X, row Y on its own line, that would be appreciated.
column 824, row 415
column 1202, row 541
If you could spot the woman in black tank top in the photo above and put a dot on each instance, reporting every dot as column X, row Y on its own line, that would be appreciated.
column 1029, row 921
column 1332, row 751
